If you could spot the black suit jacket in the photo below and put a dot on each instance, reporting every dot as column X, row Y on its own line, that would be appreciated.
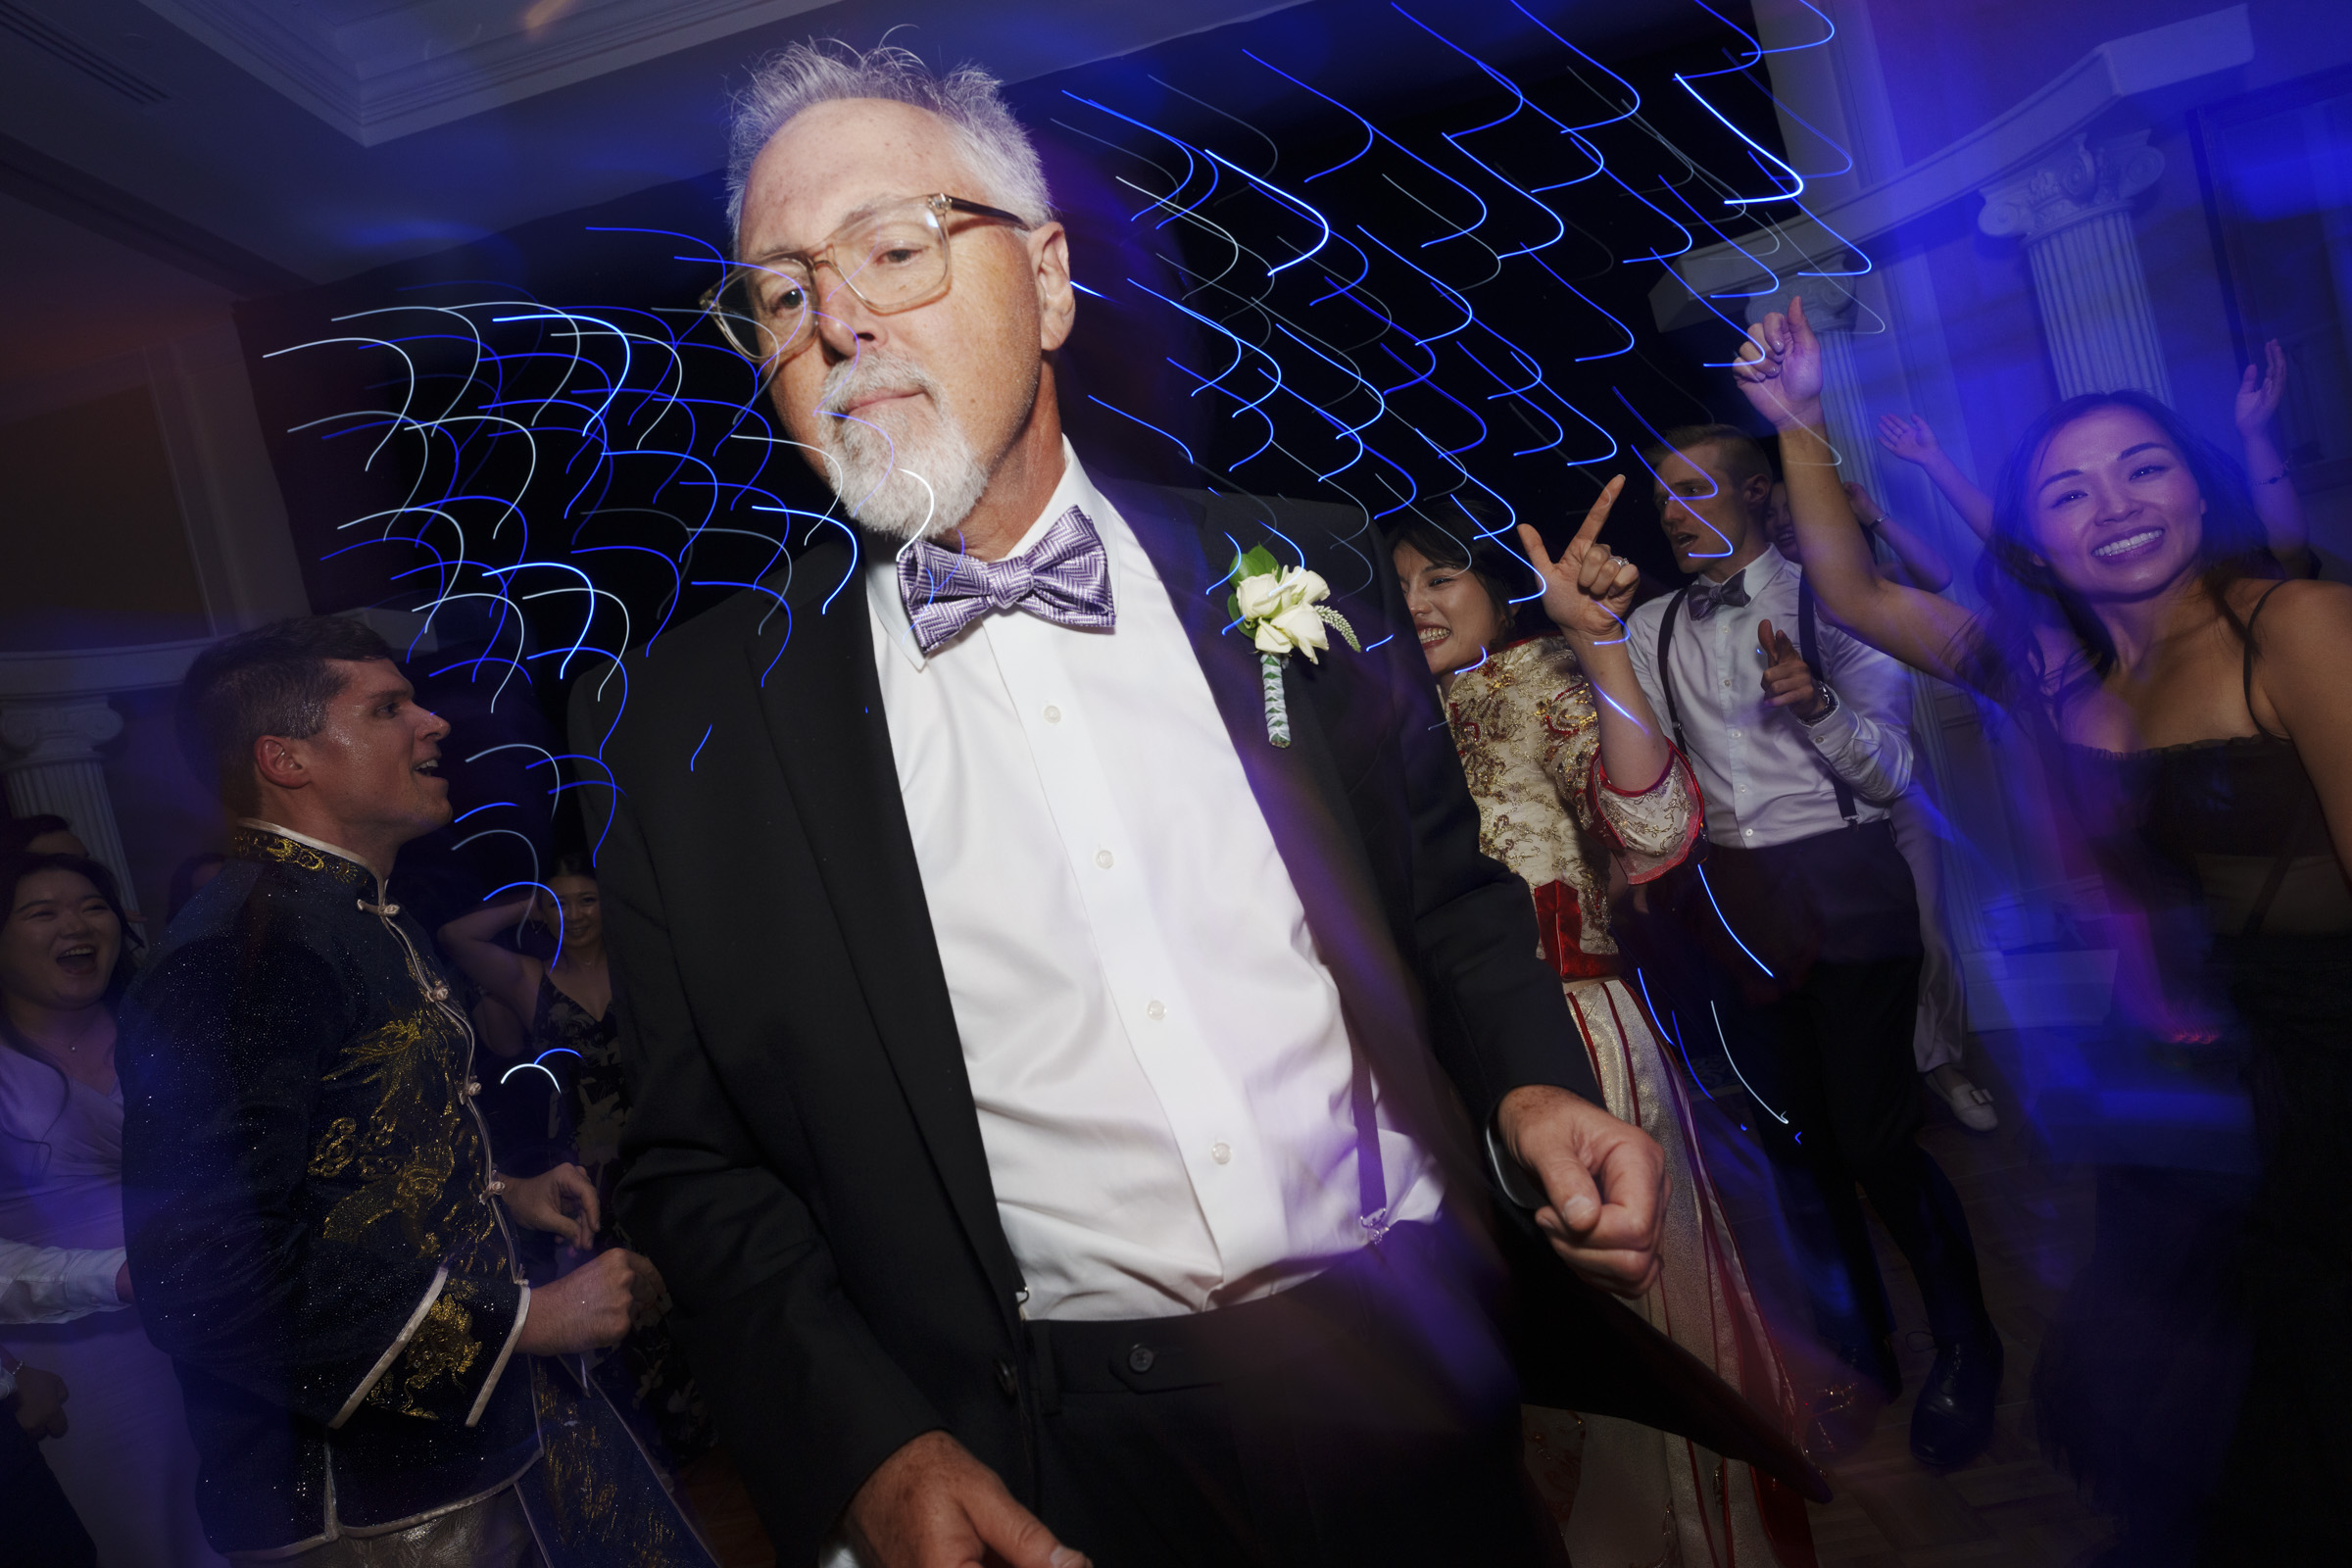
column 807, row 1162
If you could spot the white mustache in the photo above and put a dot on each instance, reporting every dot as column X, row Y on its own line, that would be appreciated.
column 874, row 373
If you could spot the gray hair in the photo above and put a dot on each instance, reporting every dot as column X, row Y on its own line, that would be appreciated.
column 806, row 75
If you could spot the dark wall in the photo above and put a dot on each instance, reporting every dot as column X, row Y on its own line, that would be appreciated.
column 521, row 419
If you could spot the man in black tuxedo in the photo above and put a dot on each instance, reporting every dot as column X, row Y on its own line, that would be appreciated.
column 1050, row 1090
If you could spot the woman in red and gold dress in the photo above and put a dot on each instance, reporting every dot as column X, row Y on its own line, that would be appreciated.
column 1577, row 784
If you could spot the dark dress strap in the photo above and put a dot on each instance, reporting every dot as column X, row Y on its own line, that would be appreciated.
column 2248, row 676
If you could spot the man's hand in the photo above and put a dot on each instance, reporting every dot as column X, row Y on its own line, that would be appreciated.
column 1779, row 367
column 1787, row 679
column 933, row 1505
column 2260, row 389
column 1588, row 589
column 561, row 1200
column 592, row 1308
column 40, row 1401
column 1606, row 1180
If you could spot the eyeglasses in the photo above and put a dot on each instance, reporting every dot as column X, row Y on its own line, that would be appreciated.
column 893, row 257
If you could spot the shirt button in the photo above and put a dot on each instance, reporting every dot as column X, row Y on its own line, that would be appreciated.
column 1222, row 1154
column 1749, row 831
column 1735, row 734
column 1052, row 715
column 1155, row 1010
column 1103, row 859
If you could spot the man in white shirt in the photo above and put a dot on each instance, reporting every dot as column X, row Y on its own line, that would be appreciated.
column 1049, row 1084
column 1797, row 733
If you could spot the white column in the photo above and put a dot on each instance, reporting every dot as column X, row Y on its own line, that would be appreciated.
column 2073, row 208
column 49, row 758
column 1830, row 308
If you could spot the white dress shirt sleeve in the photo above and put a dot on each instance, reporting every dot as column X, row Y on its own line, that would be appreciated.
column 1867, row 741
column 1641, row 647
column 56, row 1284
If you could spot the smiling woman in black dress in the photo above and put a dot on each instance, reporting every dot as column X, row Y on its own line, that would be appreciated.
column 2194, row 712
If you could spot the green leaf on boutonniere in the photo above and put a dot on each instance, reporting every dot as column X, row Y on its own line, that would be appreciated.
column 1256, row 562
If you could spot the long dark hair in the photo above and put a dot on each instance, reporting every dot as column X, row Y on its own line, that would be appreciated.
column 1459, row 548
column 13, row 870
column 2025, row 594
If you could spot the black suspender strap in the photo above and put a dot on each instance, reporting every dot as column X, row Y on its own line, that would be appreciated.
column 1674, row 710
column 1808, row 643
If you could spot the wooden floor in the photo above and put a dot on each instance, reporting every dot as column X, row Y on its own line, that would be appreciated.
column 2032, row 1223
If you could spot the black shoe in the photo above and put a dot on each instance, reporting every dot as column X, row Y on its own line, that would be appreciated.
column 1952, row 1421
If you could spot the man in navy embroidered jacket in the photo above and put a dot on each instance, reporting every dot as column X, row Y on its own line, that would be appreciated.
column 319, row 1236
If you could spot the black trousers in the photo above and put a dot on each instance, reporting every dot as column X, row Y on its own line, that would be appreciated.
column 1836, row 1070
column 1369, row 1416
column 39, row 1524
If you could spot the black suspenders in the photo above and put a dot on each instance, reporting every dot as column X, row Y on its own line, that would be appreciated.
column 1808, row 643
column 1809, row 639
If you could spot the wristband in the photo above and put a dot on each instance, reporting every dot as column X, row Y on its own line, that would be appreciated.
column 1828, row 696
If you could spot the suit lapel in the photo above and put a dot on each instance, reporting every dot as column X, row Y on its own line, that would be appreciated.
column 823, row 705
column 1304, row 802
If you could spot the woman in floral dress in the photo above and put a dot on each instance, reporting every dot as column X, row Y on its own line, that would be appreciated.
column 1577, row 787
column 574, row 1038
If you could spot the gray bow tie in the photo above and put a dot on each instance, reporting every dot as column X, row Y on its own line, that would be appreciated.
column 1707, row 598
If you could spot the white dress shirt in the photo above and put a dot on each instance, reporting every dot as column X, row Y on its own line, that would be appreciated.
column 56, row 1284
column 1767, row 775
column 1155, row 1050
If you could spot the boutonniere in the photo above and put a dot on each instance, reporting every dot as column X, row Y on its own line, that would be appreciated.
column 1282, row 609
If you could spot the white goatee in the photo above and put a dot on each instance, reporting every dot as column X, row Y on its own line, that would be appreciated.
column 905, row 469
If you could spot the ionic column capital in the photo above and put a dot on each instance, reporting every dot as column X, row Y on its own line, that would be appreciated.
column 2078, row 178
column 42, row 734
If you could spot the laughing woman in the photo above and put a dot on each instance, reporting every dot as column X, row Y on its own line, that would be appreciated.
column 1573, row 779
column 125, row 1461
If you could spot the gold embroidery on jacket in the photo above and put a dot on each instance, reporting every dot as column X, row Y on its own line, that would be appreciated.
column 443, row 1347
column 410, row 1148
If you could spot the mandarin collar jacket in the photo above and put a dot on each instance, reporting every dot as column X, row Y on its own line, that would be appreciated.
column 307, row 1206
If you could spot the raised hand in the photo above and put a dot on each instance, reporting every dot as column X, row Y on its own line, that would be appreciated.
column 2260, row 388
column 1588, row 589
column 1787, row 679
column 1908, row 437
column 1780, row 369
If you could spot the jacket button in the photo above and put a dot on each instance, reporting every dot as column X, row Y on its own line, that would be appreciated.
column 1140, row 1358
column 1009, row 1381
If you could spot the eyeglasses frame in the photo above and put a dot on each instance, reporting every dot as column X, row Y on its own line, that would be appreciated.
column 938, row 205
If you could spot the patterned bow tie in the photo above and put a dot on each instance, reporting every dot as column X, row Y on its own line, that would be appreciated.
column 1707, row 598
column 1065, row 578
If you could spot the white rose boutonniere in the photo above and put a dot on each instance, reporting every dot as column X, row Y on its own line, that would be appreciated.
column 1281, row 609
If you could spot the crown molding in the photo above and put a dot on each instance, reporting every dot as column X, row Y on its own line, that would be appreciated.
column 398, row 69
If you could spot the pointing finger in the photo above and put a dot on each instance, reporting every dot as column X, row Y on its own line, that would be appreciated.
column 1600, row 512
column 1533, row 543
